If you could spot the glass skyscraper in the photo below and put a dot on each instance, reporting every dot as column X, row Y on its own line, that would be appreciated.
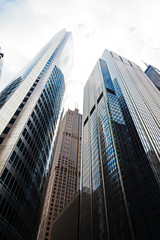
column 120, row 194
column 30, row 107
column 154, row 74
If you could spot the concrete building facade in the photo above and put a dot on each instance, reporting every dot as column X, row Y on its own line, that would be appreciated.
column 64, row 180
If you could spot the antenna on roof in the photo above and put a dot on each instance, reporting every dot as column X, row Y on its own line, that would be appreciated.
column 145, row 63
column 76, row 105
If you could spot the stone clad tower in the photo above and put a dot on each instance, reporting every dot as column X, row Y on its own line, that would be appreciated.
column 64, row 180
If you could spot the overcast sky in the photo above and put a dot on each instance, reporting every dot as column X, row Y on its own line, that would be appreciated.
column 129, row 28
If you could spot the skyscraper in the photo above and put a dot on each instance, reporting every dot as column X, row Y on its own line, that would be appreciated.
column 29, row 113
column 65, row 174
column 120, row 196
column 154, row 74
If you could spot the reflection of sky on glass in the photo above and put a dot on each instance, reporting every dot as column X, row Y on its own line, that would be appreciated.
column 27, row 25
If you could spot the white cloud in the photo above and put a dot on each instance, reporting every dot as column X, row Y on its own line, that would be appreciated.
column 127, row 27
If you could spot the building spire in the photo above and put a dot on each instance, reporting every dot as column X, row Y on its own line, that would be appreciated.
column 145, row 63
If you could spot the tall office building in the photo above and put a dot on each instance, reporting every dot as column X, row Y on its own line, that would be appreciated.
column 120, row 196
column 64, row 180
column 154, row 74
column 29, row 113
column 1, row 61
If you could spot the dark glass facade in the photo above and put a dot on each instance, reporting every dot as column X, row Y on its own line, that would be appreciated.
column 154, row 74
column 27, row 140
column 66, row 224
column 120, row 193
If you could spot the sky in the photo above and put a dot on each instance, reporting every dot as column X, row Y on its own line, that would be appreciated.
column 129, row 28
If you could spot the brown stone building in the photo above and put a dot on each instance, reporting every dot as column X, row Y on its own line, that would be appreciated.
column 65, row 174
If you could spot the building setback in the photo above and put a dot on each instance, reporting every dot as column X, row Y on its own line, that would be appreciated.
column 120, row 198
column 64, row 180
column 154, row 74
column 66, row 224
column 30, row 109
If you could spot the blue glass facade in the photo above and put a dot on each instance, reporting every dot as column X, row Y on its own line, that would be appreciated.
column 154, row 75
column 30, row 135
column 118, row 177
column 11, row 87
